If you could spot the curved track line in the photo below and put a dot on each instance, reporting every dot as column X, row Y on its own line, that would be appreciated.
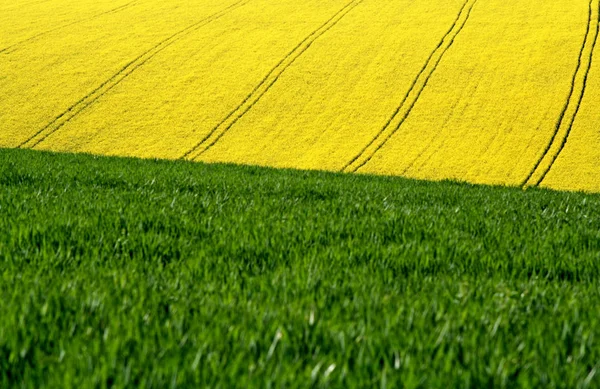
column 217, row 132
column 580, row 100
column 410, row 89
column 590, row 38
column 6, row 50
column 116, row 79
column 364, row 156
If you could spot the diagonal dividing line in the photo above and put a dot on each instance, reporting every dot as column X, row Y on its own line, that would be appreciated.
column 75, row 109
column 217, row 132
column 415, row 90
column 574, row 99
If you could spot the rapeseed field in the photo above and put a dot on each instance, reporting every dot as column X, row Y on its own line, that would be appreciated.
column 484, row 91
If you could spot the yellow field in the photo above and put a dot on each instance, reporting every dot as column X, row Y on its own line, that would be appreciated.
column 485, row 91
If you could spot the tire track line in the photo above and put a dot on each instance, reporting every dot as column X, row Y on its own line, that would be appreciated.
column 414, row 92
column 217, row 132
column 571, row 108
column 75, row 109
column 10, row 49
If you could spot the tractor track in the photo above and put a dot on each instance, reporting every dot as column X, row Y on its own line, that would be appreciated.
column 218, row 131
column 74, row 110
column 590, row 38
column 431, row 64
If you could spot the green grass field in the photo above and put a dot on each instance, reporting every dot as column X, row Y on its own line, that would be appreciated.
column 138, row 273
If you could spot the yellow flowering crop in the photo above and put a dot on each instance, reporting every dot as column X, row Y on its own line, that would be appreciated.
column 486, row 91
column 321, row 114
column 43, row 79
column 173, row 99
column 577, row 166
column 491, row 107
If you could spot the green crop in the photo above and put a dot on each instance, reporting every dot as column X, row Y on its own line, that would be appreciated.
column 138, row 273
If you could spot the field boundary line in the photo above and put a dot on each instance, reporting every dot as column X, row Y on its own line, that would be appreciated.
column 217, row 132
column 422, row 79
column 75, row 109
column 582, row 70
column 9, row 49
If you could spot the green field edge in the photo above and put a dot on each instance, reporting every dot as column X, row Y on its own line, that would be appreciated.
column 125, row 272
column 365, row 175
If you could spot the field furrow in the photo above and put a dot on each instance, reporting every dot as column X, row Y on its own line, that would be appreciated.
column 569, row 113
column 180, row 97
column 416, row 88
column 492, row 102
column 266, row 83
column 74, row 110
column 62, row 67
column 577, row 166
column 324, row 110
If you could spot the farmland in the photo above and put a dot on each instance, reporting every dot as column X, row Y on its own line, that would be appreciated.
column 484, row 91
column 132, row 273
column 299, row 193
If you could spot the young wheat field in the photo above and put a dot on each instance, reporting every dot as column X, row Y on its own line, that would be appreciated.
column 129, row 273
column 484, row 91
